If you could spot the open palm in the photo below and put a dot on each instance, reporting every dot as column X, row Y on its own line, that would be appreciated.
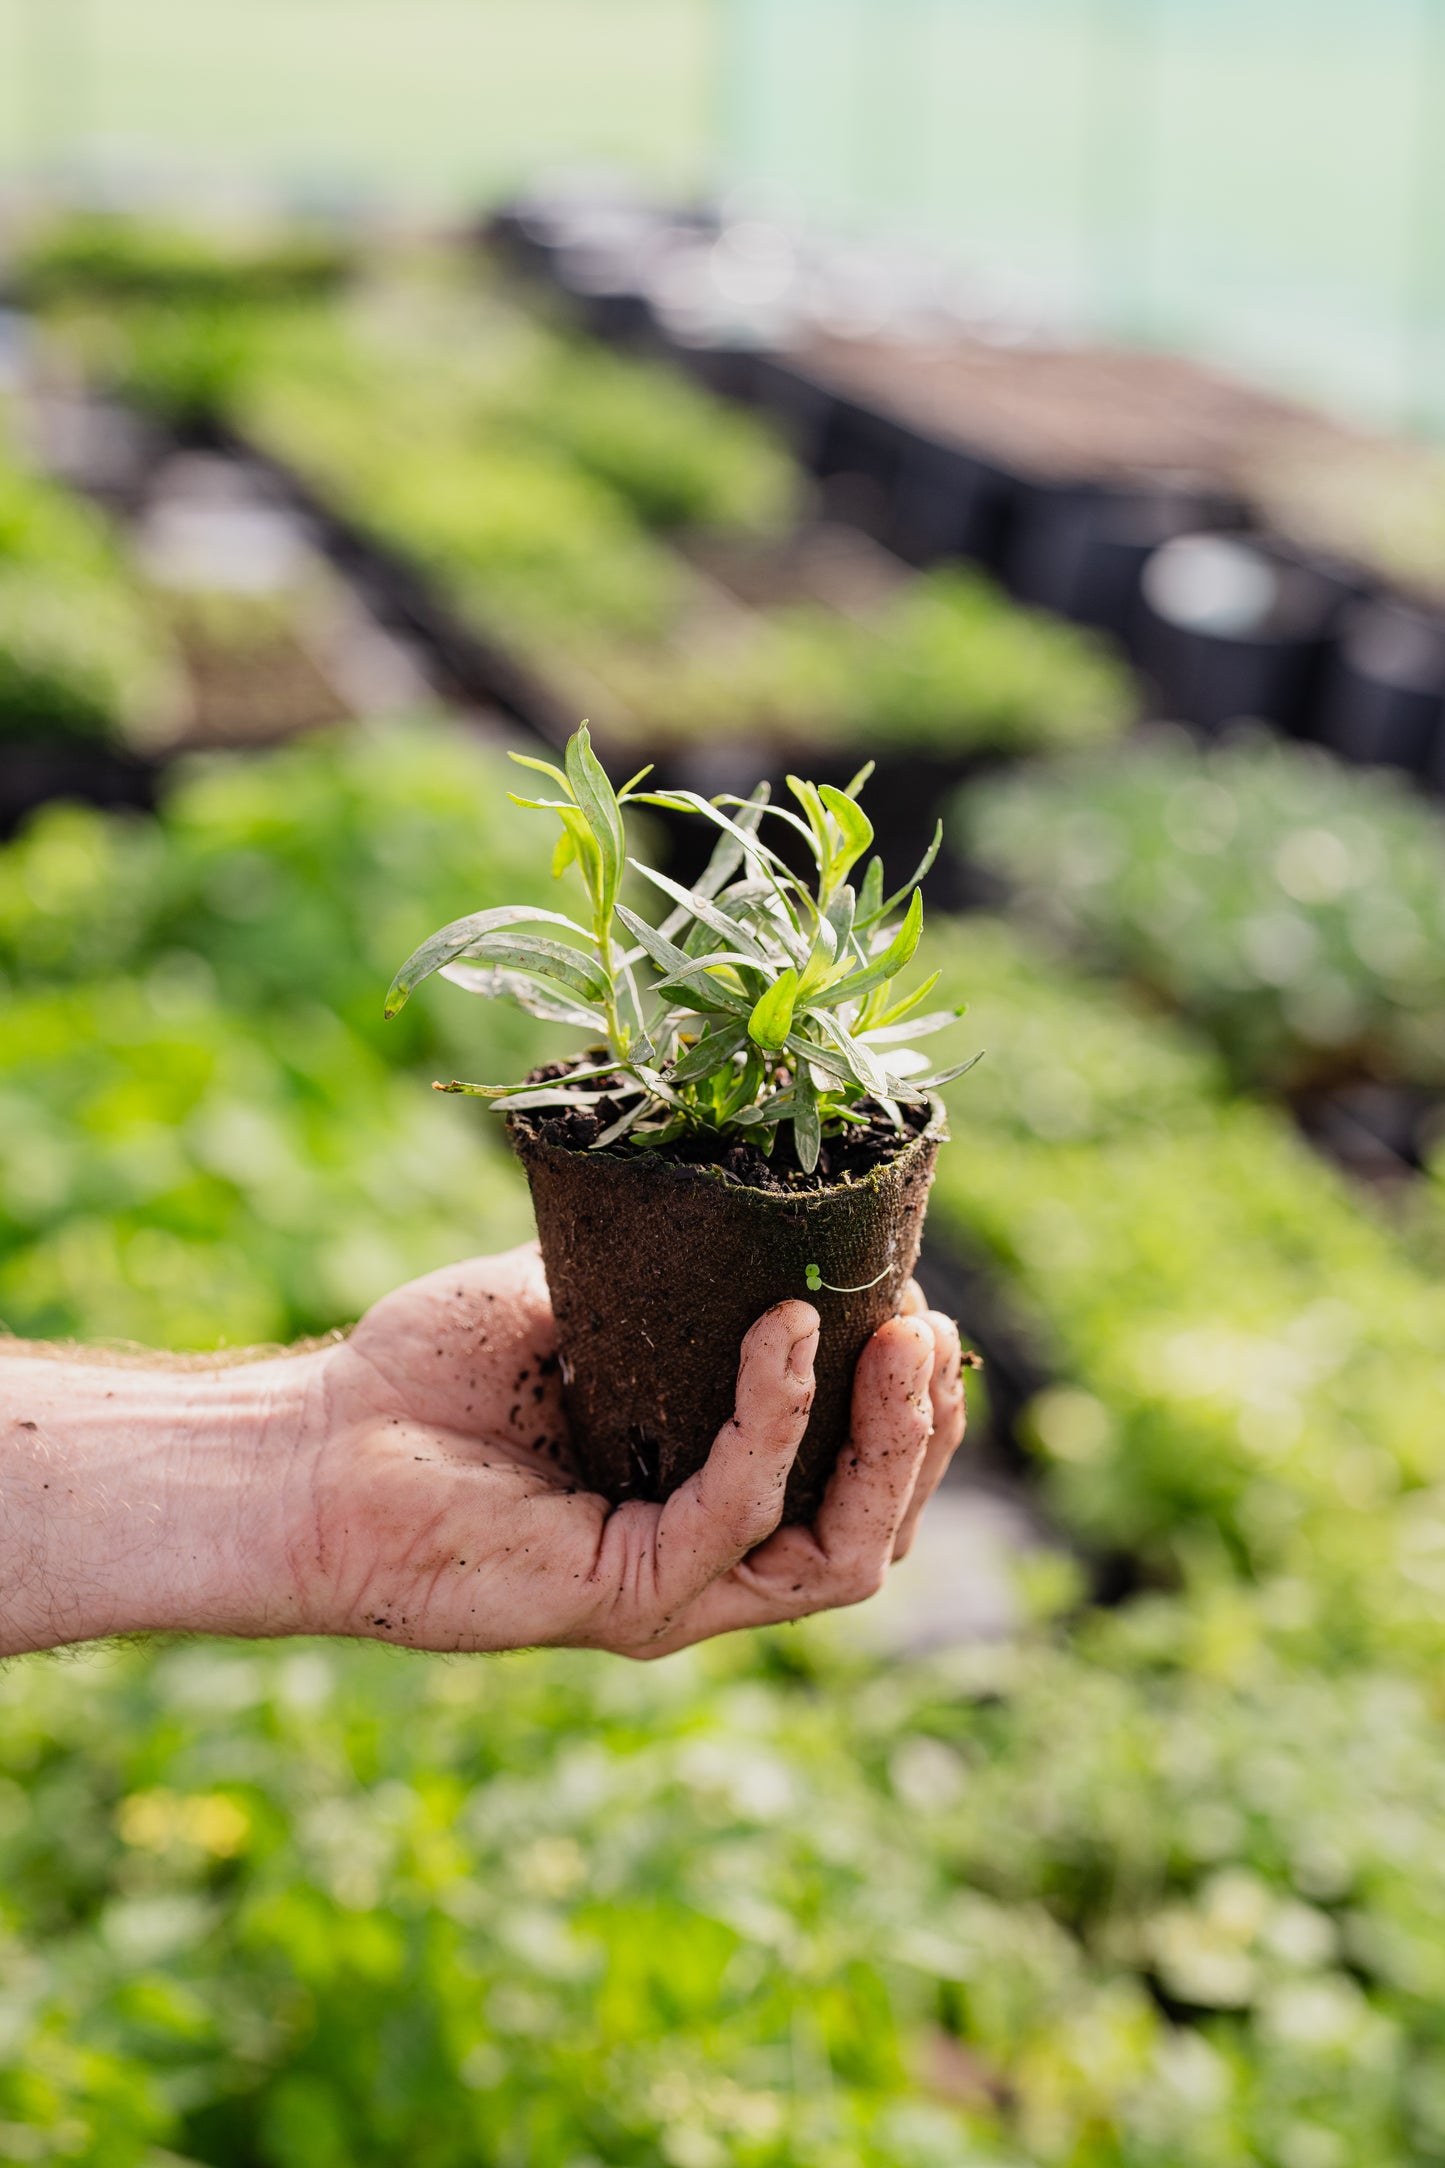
column 441, row 1508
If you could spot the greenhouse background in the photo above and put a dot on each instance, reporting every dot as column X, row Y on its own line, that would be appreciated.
column 385, row 386
column 1259, row 180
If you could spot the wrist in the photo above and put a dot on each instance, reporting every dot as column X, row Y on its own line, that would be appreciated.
column 147, row 1499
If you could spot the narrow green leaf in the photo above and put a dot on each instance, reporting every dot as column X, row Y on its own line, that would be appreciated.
column 854, row 827
column 541, row 958
column 452, row 941
column 807, row 1125
column 714, row 1051
column 860, row 778
column 924, row 865
column 746, row 1087
column 598, row 801
column 820, row 960
column 731, row 930
column 920, row 1027
column 840, row 917
column 564, row 851
column 895, row 958
column 807, row 797
column 908, row 1003
column 549, row 1002
column 870, row 895
column 772, row 1017
column 948, row 1076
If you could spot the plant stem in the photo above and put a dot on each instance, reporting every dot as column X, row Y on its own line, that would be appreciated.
column 604, row 954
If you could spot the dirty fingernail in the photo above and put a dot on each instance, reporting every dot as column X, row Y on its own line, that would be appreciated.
column 801, row 1353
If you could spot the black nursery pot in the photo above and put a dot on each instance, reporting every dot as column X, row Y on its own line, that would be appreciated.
column 1383, row 697
column 657, row 1269
column 1231, row 627
column 1080, row 549
column 949, row 500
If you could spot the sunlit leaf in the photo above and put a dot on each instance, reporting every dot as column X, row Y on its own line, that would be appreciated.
column 772, row 1016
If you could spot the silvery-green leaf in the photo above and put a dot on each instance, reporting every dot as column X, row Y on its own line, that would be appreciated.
column 533, row 995
column 655, row 943
column 620, row 1127
column 824, row 1057
column 657, row 1087
column 807, row 1127
column 680, row 968
column 541, row 958
column 742, row 831
column 713, row 1051
column 950, row 1076
column 522, row 1097
column 924, row 865
column 917, row 1027
column 895, row 958
column 904, row 1061
column 865, row 1068
column 598, row 801
column 730, row 929
column 451, row 941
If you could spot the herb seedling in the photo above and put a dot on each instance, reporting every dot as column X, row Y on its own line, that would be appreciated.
column 760, row 1000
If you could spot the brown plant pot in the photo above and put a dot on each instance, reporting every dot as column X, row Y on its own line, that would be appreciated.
column 657, row 1269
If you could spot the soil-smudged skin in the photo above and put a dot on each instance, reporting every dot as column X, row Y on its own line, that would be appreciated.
column 658, row 1265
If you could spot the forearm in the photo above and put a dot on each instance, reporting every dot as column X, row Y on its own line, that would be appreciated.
column 138, row 1499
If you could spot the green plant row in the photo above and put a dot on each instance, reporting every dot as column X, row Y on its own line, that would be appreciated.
column 81, row 653
column 1151, row 1899
column 1251, row 1362
column 90, row 255
column 1290, row 905
column 529, row 475
column 203, row 1136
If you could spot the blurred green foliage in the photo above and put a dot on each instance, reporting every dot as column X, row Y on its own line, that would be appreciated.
column 1251, row 1362
column 1153, row 1899
column 81, row 652
column 1291, row 905
column 202, row 1138
column 945, row 665
column 528, row 474
column 177, row 1173
column 89, row 254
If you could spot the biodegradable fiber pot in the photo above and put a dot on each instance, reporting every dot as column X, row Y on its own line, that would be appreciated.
column 657, row 1269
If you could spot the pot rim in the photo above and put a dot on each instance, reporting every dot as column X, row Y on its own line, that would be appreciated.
column 658, row 1166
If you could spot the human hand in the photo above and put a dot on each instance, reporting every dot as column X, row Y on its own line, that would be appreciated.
column 412, row 1483
column 446, row 1513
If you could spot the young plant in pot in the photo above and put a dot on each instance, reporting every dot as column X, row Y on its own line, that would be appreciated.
column 750, row 1122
